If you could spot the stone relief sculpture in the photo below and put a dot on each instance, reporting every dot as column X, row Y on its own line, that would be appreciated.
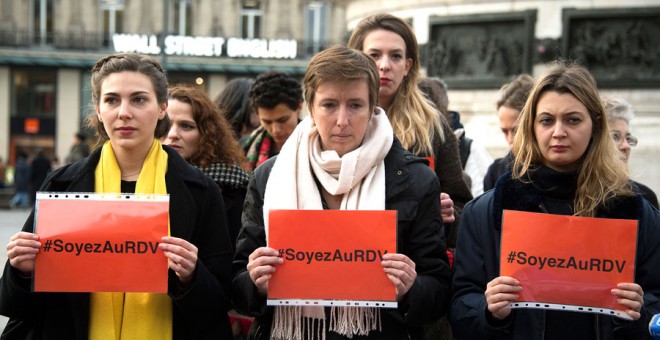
column 479, row 53
column 616, row 48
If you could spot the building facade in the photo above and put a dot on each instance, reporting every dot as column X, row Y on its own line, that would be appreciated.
column 47, row 48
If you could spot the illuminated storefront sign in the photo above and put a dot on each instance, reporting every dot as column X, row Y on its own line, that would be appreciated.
column 207, row 46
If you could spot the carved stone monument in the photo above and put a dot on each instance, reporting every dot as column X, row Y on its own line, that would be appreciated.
column 621, row 47
column 480, row 51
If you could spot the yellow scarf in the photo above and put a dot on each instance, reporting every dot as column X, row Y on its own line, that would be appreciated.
column 123, row 316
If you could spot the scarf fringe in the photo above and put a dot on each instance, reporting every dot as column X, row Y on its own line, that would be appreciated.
column 349, row 321
column 290, row 324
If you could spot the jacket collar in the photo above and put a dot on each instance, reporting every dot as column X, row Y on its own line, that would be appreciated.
column 178, row 168
column 397, row 171
column 516, row 195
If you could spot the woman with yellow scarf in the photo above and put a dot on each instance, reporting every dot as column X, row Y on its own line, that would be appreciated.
column 129, row 95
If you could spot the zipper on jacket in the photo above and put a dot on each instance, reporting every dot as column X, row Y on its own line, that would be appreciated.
column 545, row 313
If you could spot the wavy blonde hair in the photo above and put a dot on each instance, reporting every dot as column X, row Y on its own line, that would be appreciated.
column 410, row 112
column 602, row 175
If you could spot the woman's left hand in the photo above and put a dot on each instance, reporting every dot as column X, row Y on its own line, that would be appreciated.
column 401, row 271
column 181, row 257
column 630, row 295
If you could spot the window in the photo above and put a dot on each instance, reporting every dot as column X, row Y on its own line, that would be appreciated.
column 183, row 17
column 33, row 92
column 41, row 21
column 113, row 18
column 250, row 22
column 316, row 21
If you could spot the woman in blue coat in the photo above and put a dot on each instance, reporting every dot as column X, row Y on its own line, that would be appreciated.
column 566, row 163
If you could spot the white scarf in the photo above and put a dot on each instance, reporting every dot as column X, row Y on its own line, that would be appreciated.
column 359, row 176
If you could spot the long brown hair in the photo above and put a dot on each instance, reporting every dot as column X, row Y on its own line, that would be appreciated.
column 216, row 142
column 414, row 119
column 602, row 174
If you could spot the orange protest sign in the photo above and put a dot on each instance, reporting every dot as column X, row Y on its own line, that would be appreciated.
column 568, row 262
column 332, row 257
column 102, row 243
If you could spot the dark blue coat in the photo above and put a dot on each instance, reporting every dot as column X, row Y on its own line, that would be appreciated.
column 478, row 256
column 22, row 175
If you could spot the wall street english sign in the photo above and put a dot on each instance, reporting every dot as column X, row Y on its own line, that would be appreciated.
column 206, row 46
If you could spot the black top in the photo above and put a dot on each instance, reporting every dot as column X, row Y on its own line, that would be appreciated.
column 648, row 194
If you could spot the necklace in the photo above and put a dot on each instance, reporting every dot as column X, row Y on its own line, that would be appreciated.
column 130, row 176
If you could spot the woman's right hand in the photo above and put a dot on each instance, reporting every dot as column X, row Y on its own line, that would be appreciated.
column 447, row 208
column 500, row 293
column 261, row 265
column 21, row 251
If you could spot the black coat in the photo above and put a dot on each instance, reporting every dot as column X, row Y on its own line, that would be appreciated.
column 40, row 169
column 648, row 194
column 412, row 190
column 196, row 215
column 477, row 263
column 499, row 167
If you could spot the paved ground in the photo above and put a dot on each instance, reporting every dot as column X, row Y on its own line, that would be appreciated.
column 11, row 221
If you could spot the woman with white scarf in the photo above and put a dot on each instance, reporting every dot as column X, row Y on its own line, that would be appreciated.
column 344, row 156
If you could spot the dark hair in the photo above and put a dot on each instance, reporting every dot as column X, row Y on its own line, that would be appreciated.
column 216, row 143
column 234, row 103
column 435, row 90
column 341, row 64
column 515, row 92
column 80, row 136
column 274, row 87
column 133, row 62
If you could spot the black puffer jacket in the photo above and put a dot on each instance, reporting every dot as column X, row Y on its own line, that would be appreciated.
column 197, row 214
column 413, row 190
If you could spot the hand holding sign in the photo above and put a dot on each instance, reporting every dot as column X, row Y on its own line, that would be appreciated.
column 22, row 250
column 571, row 262
column 181, row 257
column 339, row 259
column 111, row 243
column 630, row 295
column 400, row 270
column 261, row 266
column 500, row 293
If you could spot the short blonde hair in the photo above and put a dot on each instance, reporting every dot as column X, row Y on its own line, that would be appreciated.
column 341, row 64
